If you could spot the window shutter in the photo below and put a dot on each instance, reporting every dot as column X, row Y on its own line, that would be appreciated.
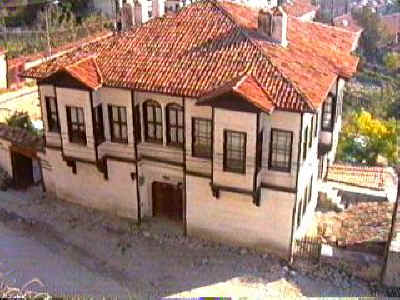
column 69, row 122
column 110, row 121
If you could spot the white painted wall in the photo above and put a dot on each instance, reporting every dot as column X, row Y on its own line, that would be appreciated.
column 284, row 121
column 195, row 164
column 88, row 187
column 234, row 121
column 157, row 150
column 3, row 71
column 78, row 98
column 234, row 219
column 117, row 97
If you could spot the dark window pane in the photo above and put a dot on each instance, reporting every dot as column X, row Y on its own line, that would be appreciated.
column 153, row 121
column 234, row 152
column 201, row 139
column 280, row 150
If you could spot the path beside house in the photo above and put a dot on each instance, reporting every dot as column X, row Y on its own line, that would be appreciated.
column 148, row 263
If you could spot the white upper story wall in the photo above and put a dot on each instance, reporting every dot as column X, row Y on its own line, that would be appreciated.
column 224, row 119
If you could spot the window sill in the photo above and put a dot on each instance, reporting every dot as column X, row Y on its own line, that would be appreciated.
column 235, row 172
column 282, row 170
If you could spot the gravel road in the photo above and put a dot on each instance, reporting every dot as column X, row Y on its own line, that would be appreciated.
column 75, row 250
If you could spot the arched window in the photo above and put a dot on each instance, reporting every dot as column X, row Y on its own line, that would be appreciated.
column 175, row 125
column 153, row 127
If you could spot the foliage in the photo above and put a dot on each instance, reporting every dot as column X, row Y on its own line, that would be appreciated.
column 392, row 61
column 382, row 103
column 375, row 33
column 21, row 120
column 363, row 138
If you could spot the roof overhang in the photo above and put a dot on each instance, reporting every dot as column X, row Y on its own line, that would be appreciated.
column 247, row 88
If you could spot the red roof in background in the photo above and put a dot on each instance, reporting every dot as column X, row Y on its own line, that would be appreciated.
column 347, row 22
column 299, row 8
column 2, row 51
column 376, row 178
column 56, row 51
column 211, row 44
column 86, row 71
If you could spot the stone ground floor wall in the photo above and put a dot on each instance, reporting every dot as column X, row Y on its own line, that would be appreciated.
column 5, row 157
column 392, row 271
column 233, row 218
column 88, row 186
column 391, row 275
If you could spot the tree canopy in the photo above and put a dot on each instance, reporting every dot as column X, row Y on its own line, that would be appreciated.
column 375, row 33
column 364, row 138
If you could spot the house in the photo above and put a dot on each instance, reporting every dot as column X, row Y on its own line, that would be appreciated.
column 392, row 23
column 138, row 10
column 362, row 183
column 302, row 9
column 214, row 118
column 348, row 22
column 3, row 69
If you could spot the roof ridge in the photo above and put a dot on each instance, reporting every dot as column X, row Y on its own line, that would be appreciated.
column 262, row 52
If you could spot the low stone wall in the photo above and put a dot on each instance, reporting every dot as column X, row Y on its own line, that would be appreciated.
column 391, row 275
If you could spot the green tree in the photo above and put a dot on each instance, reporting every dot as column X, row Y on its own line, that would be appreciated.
column 364, row 138
column 392, row 61
column 21, row 120
column 375, row 34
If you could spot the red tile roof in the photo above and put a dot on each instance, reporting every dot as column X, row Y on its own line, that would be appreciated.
column 86, row 71
column 211, row 44
column 248, row 89
column 376, row 178
column 299, row 8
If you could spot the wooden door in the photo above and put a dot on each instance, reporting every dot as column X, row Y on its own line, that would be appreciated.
column 167, row 201
column 22, row 170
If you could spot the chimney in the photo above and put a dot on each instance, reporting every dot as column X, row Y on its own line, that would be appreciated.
column 138, row 13
column 158, row 8
column 127, row 16
column 272, row 23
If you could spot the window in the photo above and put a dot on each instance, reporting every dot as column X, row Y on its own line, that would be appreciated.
column 175, row 125
column 310, row 138
column 76, row 125
column 316, row 125
column 260, row 139
column 327, row 113
column 310, row 190
column 201, row 138
column 234, row 151
column 138, row 127
column 152, row 114
column 98, row 124
column 52, row 114
column 118, row 124
column 305, row 143
column 305, row 200
column 299, row 215
column 280, row 154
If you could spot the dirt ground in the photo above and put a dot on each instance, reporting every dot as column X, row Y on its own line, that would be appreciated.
column 76, row 250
